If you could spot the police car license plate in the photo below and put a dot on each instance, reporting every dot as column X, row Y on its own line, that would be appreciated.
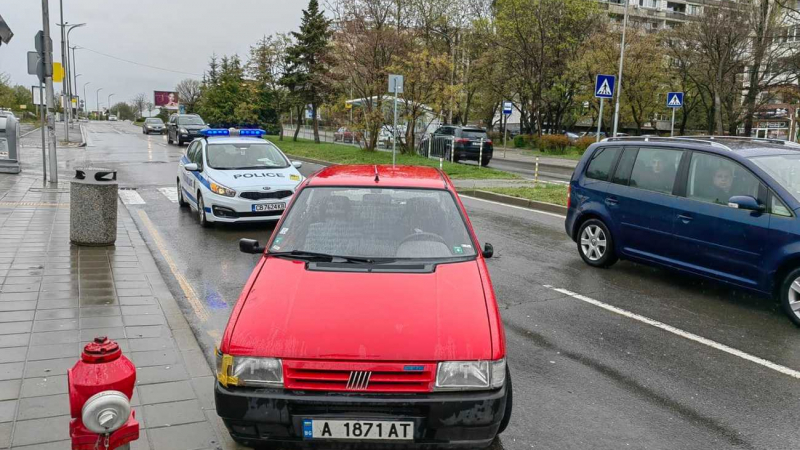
column 378, row 430
column 269, row 207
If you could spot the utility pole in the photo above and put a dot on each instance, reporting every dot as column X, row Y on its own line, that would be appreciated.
column 85, row 100
column 621, row 60
column 98, row 103
column 65, row 64
column 48, row 64
column 109, row 103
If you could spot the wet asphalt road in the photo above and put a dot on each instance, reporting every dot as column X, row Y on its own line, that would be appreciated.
column 584, row 377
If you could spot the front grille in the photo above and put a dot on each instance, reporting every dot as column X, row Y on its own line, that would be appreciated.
column 265, row 195
column 358, row 377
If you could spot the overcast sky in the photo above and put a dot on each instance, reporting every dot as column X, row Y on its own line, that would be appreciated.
column 178, row 35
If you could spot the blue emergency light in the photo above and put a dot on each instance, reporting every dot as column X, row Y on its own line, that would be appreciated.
column 252, row 132
column 215, row 132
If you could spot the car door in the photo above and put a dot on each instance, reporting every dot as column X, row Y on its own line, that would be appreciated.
column 642, row 202
column 188, row 178
column 715, row 239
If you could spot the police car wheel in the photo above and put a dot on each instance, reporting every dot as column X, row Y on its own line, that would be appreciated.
column 201, row 212
column 181, row 201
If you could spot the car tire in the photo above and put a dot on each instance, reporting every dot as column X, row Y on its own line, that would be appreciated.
column 485, row 162
column 181, row 201
column 509, row 404
column 201, row 212
column 595, row 244
column 790, row 297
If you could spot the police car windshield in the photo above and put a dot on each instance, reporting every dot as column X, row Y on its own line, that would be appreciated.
column 245, row 156
column 397, row 224
column 190, row 121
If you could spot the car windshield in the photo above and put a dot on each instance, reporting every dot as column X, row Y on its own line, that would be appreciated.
column 785, row 169
column 398, row 224
column 190, row 121
column 154, row 121
column 245, row 156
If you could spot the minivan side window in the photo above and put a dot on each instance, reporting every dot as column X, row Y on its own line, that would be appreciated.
column 655, row 169
column 602, row 162
column 623, row 173
column 715, row 179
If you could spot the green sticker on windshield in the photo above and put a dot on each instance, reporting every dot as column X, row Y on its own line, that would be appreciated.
column 278, row 240
column 457, row 249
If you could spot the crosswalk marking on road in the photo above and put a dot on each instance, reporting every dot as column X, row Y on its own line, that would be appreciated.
column 131, row 197
column 170, row 192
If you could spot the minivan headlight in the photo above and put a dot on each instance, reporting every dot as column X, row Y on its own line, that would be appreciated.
column 249, row 371
column 470, row 375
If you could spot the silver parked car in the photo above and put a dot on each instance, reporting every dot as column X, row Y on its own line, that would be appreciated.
column 153, row 125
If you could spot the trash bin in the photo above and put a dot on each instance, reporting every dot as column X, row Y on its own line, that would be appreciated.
column 93, row 207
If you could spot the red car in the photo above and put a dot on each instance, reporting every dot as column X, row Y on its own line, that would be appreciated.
column 370, row 319
column 343, row 135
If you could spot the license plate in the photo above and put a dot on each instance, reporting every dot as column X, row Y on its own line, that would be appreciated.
column 375, row 430
column 269, row 207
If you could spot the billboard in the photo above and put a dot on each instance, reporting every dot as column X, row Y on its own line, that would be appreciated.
column 165, row 99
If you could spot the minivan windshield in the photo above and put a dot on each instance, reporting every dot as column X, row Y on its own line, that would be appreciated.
column 379, row 223
column 785, row 169
column 245, row 156
column 191, row 120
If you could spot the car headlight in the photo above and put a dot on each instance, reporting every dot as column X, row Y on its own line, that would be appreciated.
column 248, row 371
column 184, row 131
column 221, row 190
column 470, row 375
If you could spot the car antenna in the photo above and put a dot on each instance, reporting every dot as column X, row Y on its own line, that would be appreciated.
column 377, row 178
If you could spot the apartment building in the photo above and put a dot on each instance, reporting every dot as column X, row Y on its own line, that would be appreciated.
column 656, row 14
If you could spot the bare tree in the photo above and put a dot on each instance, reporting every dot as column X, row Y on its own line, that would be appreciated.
column 149, row 107
column 138, row 103
column 188, row 93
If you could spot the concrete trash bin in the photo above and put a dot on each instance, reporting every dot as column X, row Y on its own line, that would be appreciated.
column 93, row 207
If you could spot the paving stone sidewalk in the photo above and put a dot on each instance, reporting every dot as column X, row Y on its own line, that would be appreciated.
column 55, row 297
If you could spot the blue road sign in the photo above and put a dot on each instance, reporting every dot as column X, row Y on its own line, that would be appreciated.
column 675, row 99
column 604, row 86
column 508, row 108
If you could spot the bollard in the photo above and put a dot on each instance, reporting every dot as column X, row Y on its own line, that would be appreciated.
column 452, row 149
column 441, row 161
column 480, row 155
column 536, row 173
column 430, row 142
column 93, row 207
column 100, row 387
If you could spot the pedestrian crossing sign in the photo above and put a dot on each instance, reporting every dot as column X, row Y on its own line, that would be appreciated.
column 675, row 99
column 604, row 86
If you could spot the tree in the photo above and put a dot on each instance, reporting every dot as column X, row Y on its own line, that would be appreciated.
column 265, row 68
column 188, row 94
column 310, row 55
column 123, row 111
column 139, row 102
column 149, row 107
column 224, row 101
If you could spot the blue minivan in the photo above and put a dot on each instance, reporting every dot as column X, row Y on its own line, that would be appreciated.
column 724, row 208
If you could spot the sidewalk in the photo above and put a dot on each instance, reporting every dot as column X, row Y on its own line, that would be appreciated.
column 55, row 297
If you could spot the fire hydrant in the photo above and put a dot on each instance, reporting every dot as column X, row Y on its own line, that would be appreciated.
column 100, row 390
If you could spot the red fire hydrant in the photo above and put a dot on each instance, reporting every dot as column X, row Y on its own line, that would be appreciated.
column 100, row 391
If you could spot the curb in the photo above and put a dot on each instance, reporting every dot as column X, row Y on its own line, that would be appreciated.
column 514, row 201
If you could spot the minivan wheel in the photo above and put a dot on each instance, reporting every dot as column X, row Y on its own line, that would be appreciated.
column 595, row 244
column 790, row 295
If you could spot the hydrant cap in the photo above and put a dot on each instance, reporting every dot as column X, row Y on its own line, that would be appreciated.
column 102, row 349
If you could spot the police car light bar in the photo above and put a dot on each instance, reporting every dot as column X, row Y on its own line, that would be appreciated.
column 215, row 132
column 252, row 132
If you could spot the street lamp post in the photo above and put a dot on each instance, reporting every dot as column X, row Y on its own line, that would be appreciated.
column 98, row 103
column 77, row 103
column 621, row 60
column 74, row 68
column 109, row 103
column 85, row 101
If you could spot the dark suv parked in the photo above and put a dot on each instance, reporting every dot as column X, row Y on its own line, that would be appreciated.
column 466, row 140
column 184, row 127
column 722, row 208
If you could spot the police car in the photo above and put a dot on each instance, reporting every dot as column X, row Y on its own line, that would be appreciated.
column 236, row 176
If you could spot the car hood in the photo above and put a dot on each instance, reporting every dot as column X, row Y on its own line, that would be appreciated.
column 286, row 178
column 295, row 313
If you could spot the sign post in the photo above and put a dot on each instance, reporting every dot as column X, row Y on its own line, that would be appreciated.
column 674, row 101
column 508, row 108
column 603, row 88
column 395, row 86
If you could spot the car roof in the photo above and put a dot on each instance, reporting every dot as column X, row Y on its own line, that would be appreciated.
column 387, row 176
column 741, row 146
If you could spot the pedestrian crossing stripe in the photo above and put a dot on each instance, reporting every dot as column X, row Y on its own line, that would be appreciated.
column 605, row 89
column 675, row 101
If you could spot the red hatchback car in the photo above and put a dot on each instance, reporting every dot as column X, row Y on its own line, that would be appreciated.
column 370, row 319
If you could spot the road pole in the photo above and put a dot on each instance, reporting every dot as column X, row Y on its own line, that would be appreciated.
column 85, row 100
column 621, row 61
column 536, row 173
column 394, row 130
column 44, row 136
column 505, row 136
column 98, row 103
column 600, row 120
column 65, row 66
column 51, row 119
column 452, row 148
column 480, row 155
column 109, row 103
column 672, row 129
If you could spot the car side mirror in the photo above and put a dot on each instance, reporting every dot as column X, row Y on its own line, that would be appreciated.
column 297, row 164
column 191, row 167
column 488, row 250
column 250, row 246
column 746, row 202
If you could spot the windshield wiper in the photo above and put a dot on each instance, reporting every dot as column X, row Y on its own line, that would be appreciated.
column 302, row 254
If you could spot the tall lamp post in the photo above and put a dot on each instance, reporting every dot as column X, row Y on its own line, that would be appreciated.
column 67, row 81
column 85, row 100
column 109, row 103
column 621, row 60
column 74, row 68
column 77, row 103
column 98, row 103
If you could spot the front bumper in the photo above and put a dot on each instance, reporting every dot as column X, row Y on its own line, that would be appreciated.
column 237, row 209
column 441, row 420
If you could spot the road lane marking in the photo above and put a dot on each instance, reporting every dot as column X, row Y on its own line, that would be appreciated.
column 170, row 192
column 678, row 332
column 194, row 301
column 512, row 206
column 131, row 197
